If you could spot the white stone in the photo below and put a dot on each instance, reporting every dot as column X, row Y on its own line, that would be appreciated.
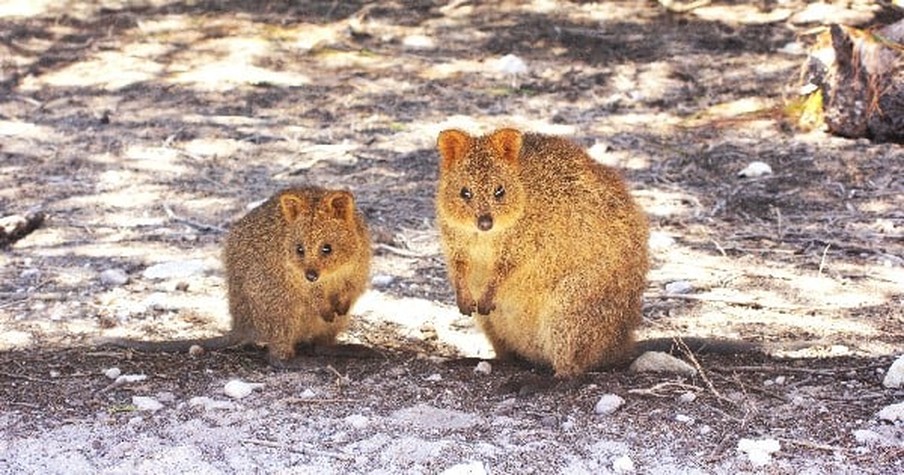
column 469, row 468
column 793, row 48
column 894, row 377
column 130, row 378
column 608, row 404
column 759, row 452
column 483, row 367
column 357, row 421
column 434, row 377
column 687, row 397
column 144, row 403
column 237, row 389
column 755, row 169
column 679, row 287
column 684, row 419
column 659, row 362
column 308, row 394
column 175, row 269
column 112, row 373
column 114, row 277
column 381, row 280
column 510, row 64
column 623, row 464
column 892, row 412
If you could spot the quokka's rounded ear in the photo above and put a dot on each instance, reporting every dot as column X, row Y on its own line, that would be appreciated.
column 507, row 143
column 292, row 206
column 452, row 144
column 339, row 205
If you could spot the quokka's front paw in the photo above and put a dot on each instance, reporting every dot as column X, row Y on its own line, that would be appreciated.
column 486, row 305
column 466, row 304
column 340, row 306
column 328, row 314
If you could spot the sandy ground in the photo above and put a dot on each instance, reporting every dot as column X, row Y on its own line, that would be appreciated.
column 143, row 129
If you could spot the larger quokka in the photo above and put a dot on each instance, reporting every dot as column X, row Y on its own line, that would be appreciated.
column 545, row 245
column 294, row 266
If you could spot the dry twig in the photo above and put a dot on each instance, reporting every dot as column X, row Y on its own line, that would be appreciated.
column 199, row 226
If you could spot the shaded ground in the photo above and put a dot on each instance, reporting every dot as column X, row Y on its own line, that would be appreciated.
column 143, row 129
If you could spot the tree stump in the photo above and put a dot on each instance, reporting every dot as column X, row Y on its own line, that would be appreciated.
column 15, row 227
column 857, row 76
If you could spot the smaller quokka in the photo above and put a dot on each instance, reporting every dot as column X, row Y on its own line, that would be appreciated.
column 545, row 245
column 294, row 266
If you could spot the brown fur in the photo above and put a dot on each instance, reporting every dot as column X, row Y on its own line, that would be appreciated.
column 549, row 248
column 278, row 296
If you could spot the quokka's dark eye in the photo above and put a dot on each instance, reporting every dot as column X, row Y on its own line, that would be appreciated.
column 499, row 192
column 466, row 193
column 299, row 249
column 326, row 249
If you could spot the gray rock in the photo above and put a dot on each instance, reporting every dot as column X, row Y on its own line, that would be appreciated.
column 114, row 277
column 894, row 378
column 658, row 362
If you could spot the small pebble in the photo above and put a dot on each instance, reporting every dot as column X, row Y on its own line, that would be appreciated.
column 659, row 362
column 381, row 280
column 484, row 367
column 759, row 452
column 114, row 277
column 623, row 464
column 892, row 412
column 687, row 397
column 894, row 377
column 684, row 419
column 238, row 389
column 510, row 64
column 307, row 394
column 112, row 373
column 434, row 377
column 54, row 373
column 470, row 468
column 130, row 378
column 755, row 169
column 679, row 287
column 357, row 421
column 608, row 404
column 144, row 403
column 196, row 350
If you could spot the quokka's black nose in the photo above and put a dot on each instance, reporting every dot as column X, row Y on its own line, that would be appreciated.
column 311, row 275
column 485, row 222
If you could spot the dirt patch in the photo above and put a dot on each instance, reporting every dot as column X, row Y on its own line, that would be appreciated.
column 142, row 131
